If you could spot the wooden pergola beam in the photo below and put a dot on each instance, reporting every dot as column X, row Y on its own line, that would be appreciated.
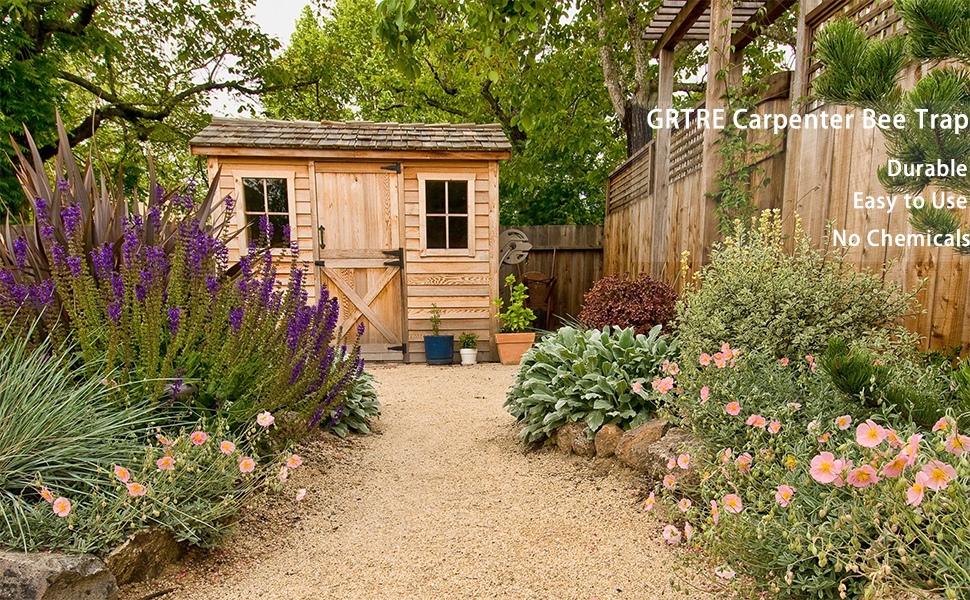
column 761, row 19
column 678, row 28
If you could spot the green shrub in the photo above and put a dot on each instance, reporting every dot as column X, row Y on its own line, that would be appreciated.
column 593, row 376
column 757, row 295
column 516, row 318
column 358, row 408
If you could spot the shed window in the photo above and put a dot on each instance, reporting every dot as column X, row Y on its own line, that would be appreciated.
column 269, row 197
column 446, row 213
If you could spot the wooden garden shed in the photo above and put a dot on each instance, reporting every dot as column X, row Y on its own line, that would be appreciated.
column 390, row 217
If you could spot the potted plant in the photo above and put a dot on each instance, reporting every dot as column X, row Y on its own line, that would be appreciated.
column 469, row 348
column 438, row 349
column 513, row 342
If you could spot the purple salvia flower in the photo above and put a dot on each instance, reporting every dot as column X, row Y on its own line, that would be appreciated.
column 118, row 286
column 63, row 185
column 174, row 314
column 114, row 311
column 296, row 372
column 155, row 217
column 74, row 264
column 212, row 285
column 230, row 204
column 159, row 194
column 360, row 329
column 286, row 234
column 103, row 260
column 265, row 229
column 47, row 232
column 140, row 292
column 71, row 216
column 130, row 246
column 236, row 319
column 42, row 294
column 60, row 257
column 20, row 252
column 40, row 209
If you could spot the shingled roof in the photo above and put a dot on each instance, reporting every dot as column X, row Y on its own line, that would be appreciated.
column 351, row 135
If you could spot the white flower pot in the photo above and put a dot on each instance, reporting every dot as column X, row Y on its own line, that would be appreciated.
column 469, row 356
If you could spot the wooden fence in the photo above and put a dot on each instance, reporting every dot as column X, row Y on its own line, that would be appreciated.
column 573, row 254
column 815, row 174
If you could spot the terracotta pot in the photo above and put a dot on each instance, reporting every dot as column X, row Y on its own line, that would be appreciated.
column 511, row 346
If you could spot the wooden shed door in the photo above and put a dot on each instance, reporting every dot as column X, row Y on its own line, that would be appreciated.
column 360, row 256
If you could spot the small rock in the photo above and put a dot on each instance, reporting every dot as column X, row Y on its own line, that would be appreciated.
column 143, row 555
column 42, row 576
column 568, row 433
column 633, row 445
column 607, row 439
column 583, row 445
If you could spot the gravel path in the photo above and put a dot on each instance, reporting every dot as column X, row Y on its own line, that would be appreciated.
column 441, row 502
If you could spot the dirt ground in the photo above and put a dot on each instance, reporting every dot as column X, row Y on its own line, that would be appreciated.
column 440, row 502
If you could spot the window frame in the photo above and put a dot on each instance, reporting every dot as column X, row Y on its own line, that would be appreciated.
column 469, row 179
column 239, row 218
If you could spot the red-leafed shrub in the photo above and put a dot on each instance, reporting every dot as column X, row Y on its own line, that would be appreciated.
column 619, row 301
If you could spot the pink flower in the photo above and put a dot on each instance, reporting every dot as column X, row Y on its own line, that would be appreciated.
column 944, row 424
column 300, row 494
column 122, row 474
column 869, row 434
column 720, row 361
column 673, row 369
column 664, row 385
column 61, row 507
column 894, row 467
column 915, row 493
column 637, row 386
column 715, row 511
column 726, row 348
column 743, row 463
column 165, row 463
column 774, row 427
column 938, row 474
column 705, row 359
column 164, row 440
column 824, row 437
column 227, row 447
column 756, row 421
column 911, row 450
column 825, row 468
column 810, row 358
column 265, row 419
column 705, row 394
column 136, row 489
column 651, row 500
column 725, row 455
column 733, row 504
column 47, row 495
column 783, row 362
column 957, row 444
column 671, row 535
column 843, row 422
column 671, row 463
column 862, row 477
column 733, row 409
column 294, row 461
column 199, row 437
column 724, row 572
column 684, row 504
column 795, row 406
column 784, row 494
column 284, row 473
column 669, row 481
column 893, row 437
column 683, row 461
column 688, row 531
column 246, row 465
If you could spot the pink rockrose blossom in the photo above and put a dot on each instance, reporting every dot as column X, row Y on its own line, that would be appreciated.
column 669, row 481
column 743, row 463
column 265, row 419
column 705, row 394
column 911, row 450
column 733, row 409
column 199, row 437
column 957, row 444
column 688, row 531
column 784, row 494
column 684, row 504
column 227, row 447
column 843, row 422
column 122, row 473
column 683, row 461
column 825, row 468
column 916, row 491
column 665, row 385
column 733, row 504
column 774, row 427
column 294, row 461
column 651, row 501
column 671, row 535
column 720, row 361
column 794, row 406
column 945, row 424
column 757, row 421
column 726, row 455
column 938, row 474
column 300, row 494
column 715, row 512
column 893, row 437
column 869, row 434
column 783, row 362
column 824, row 437
column 637, row 387
column 136, row 489
column 61, row 507
column 165, row 463
column 284, row 473
column 47, row 495
column 673, row 369
column 246, row 465
column 862, row 477
column 671, row 463
column 704, row 359
column 164, row 440
column 895, row 467
column 725, row 572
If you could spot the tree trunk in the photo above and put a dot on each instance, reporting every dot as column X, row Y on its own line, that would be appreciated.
column 638, row 130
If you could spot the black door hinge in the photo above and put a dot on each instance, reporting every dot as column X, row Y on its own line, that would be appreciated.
column 396, row 167
column 402, row 348
column 320, row 263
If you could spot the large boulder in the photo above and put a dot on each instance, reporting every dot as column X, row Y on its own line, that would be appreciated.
column 632, row 448
column 567, row 435
column 607, row 438
column 42, row 576
column 143, row 555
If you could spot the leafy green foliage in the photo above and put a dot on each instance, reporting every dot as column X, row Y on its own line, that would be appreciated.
column 593, row 376
column 864, row 72
column 435, row 319
column 516, row 318
column 358, row 408
column 468, row 340
column 758, row 295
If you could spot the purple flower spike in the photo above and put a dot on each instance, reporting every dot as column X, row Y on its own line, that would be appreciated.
column 114, row 311
column 140, row 292
column 174, row 314
column 43, row 216
column 360, row 329
column 230, row 204
column 236, row 318
column 74, row 264
column 103, row 261
column 72, row 219
column 20, row 252
column 63, row 185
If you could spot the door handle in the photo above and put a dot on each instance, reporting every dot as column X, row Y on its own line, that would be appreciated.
column 322, row 231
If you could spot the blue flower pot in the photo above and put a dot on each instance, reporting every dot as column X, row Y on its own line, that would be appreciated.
column 439, row 349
